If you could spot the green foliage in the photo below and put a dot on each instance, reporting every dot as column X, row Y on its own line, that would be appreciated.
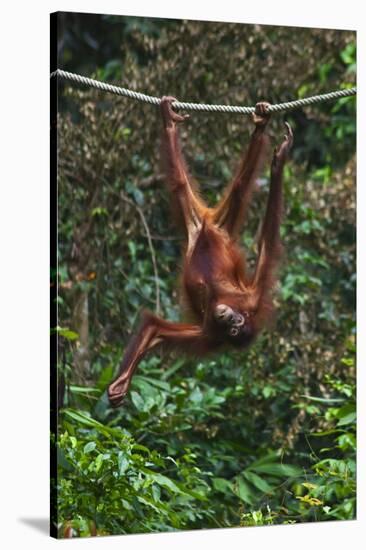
column 195, row 467
column 256, row 438
column 117, row 483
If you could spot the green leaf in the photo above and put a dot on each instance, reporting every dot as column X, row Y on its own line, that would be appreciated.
column 348, row 55
column 151, row 504
column 267, row 391
column 346, row 414
column 348, row 361
column 138, row 447
column 173, row 486
column 99, row 211
column 137, row 400
column 158, row 383
column 322, row 399
column 62, row 461
column 127, row 505
column 156, row 493
column 271, row 457
column 99, row 460
column 279, row 470
column 302, row 91
column 138, row 196
column 105, row 377
column 177, row 365
column 243, row 490
column 89, row 447
column 66, row 333
column 84, row 389
column 257, row 481
column 82, row 418
column 222, row 485
column 123, row 463
column 69, row 335
column 167, row 483
column 196, row 396
column 132, row 247
column 347, row 419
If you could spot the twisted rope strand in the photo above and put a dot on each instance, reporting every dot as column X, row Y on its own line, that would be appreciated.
column 201, row 106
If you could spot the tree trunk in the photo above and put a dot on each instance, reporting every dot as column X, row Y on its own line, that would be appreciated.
column 80, row 321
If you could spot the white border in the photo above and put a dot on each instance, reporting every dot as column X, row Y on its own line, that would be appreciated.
column 24, row 256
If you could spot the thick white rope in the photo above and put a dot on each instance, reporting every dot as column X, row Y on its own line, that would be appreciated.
column 201, row 106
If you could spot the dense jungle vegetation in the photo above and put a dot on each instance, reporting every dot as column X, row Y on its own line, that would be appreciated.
column 263, row 437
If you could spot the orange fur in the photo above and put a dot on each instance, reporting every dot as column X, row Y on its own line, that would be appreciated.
column 228, row 306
